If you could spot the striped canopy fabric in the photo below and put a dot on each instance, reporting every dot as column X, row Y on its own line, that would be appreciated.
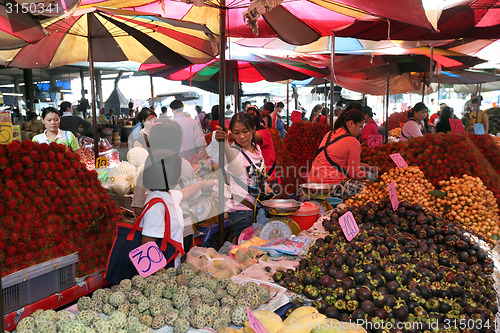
column 241, row 71
column 117, row 35
column 16, row 28
column 297, row 22
column 468, row 20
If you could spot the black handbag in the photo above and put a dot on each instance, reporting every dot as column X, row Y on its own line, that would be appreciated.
column 129, row 237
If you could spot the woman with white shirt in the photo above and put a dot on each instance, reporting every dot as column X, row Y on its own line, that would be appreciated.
column 162, row 211
column 52, row 133
column 415, row 126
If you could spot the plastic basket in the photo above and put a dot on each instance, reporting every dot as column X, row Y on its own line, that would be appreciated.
column 38, row 282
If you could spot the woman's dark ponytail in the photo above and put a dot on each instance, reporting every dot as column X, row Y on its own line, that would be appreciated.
column 354, row 114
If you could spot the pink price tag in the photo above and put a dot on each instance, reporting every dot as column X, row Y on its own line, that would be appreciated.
column 399, row 160
column 374, row 140
column 147, row 259
column 255, row 323
column 394, row 196
column 349, row 226
column 457, row 126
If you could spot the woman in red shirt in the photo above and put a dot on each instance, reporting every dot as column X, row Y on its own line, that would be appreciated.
column 371, row 127
column 338, row 158
column 215, row 118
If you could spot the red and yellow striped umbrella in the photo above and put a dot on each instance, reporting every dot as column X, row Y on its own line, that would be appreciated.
column 297, row 22
column 117, row 35
column 17, row 28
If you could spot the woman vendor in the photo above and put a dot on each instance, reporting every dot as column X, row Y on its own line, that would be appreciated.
column 415, row 126
column 337, row 160
column 52, row 133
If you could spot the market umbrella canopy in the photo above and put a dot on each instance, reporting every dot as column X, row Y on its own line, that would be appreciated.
column 464, row 77
column 117, row 35
column 469, row 19
column 297, row 22
column 17, row 28
column 252, row 69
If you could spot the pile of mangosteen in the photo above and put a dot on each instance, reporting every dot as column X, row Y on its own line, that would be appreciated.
column 404, row 266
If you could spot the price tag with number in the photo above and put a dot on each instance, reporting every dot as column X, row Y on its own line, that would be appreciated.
column 457, row 126
column 101, row 162
column 255, row 323
column 393, row 195
column 6, row 133
column 479, row 129
column 374, row 140
column 349, row 226
column 399, row 160
column 147, row 259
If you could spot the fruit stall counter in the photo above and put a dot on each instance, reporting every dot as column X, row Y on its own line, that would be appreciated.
column 58, row 300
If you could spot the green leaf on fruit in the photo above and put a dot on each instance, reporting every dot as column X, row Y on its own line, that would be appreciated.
column 438, row 194
column 495, row 237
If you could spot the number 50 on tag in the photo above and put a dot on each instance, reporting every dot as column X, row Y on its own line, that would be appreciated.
column 147, row 259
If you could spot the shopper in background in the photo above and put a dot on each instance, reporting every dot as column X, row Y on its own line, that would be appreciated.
column 52, row 133
column 415, row 126
column 370, row 127
column 193, row 139
column 477, row 117
column 315, row 111
column 434, row 118
column 140, row 133
column 264, row 139
column 164, row 111
column 338, row 158
column 265, row 114
column 445, row 122
column 215, row 118
column 279, row 121
column 72, row 123
column 200, row 117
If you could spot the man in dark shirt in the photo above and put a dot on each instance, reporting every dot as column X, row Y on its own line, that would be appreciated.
column 72, row 123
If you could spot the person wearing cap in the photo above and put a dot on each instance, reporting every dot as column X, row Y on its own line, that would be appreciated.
column 192, row 136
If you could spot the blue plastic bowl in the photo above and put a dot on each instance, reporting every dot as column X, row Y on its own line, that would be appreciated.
column 334, row 201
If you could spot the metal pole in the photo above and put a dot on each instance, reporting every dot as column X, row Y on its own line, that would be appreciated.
column 386, row 136
column 288, row 104
column 326, row 94
column 237, row 105
column 152, row 91
column 92, row 86
column 2, row 324
column 222, row 98
column 332, row 77
column 431, row 71
column 423, row 88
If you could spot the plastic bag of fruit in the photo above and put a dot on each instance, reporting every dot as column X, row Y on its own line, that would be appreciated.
column 217, row 265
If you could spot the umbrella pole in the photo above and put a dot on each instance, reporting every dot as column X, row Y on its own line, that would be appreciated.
column 332, row 77
column 288, row 104
column 152, row 91
column 386, row 136
column 237, row 104
column 326, row 94
column 92, row 86
column 222, row 95
column 423, row 89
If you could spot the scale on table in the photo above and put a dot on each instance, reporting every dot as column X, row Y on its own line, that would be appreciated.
column 200, row 209
column 318, row 193
column 280, row 225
